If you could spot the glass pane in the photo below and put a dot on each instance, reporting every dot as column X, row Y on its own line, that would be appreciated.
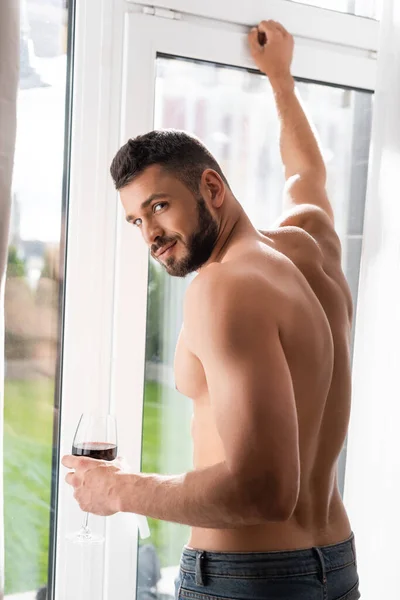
column 31, row 296
column 233, row 112
column 363, row 8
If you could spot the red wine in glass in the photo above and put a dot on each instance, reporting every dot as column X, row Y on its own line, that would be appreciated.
column 95, row 437
column 97, row 450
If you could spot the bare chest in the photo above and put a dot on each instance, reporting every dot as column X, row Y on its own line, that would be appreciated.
column 190, row 378
column 190, row 381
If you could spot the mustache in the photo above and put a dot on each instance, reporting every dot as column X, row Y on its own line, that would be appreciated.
column 162, row 244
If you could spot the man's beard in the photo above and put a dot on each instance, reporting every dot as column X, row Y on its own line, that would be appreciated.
column 200, row 245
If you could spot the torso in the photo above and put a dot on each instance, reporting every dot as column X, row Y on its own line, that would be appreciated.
column 317, row 345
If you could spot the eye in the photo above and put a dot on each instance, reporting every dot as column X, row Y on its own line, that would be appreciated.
column 162, row 204
column 159, row 204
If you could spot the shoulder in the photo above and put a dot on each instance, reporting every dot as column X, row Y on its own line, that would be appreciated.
column 229, row 312
column 306, row 216
column 227, row 282
column 228, row 293
column 318, row 224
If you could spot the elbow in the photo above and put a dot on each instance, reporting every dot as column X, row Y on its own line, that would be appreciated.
column 319, row 174
column 310, row 172
column 287, row 496
column 270, row 499
column 278, row 511
column 284, row 511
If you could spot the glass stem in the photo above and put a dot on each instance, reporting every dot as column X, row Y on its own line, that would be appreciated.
column 85, row 521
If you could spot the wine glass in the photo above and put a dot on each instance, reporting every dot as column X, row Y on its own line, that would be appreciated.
column 95, row 437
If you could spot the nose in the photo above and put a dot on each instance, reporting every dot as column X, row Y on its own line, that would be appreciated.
column 151, row 232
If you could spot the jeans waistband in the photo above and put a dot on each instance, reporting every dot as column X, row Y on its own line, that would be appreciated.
column 285, row 563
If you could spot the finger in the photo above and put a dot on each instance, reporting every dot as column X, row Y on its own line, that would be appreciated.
column 80, row 462
column 121, row 463
column 267, row 27
column 281, row 28
column 72, row 479
column 276, row 28
column 81, row 506
column 253, row 33
column 69, row 461
column 254, row 43
column 268, row 31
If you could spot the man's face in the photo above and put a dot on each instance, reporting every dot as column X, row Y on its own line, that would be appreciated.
column 172, row 215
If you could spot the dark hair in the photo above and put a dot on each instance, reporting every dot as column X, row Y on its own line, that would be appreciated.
column 176, row 151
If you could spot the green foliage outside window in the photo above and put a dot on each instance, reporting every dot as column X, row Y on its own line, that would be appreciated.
column 15, row 265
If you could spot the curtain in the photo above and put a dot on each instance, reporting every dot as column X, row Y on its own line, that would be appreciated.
column 372, row 486
column 9, row 75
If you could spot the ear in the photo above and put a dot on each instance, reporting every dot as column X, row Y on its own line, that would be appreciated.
column 214, row 187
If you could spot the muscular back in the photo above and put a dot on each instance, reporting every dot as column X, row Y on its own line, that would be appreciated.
column 315, row 305
column 316, row 342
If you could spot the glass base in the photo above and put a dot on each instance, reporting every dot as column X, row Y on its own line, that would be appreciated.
column 85, row 536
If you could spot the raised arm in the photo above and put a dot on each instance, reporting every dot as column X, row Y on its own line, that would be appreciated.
column 272, row 50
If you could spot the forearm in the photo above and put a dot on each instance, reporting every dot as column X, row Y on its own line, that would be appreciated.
column 208, row 498
column 299, row 147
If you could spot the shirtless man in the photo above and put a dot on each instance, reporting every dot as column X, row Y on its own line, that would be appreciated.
column 264, row 354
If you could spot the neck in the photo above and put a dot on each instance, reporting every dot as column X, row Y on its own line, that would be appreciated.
column 233, row 230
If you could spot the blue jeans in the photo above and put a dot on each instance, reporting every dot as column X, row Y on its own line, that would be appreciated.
column 324, row 573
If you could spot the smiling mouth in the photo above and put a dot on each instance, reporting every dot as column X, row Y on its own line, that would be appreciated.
column 167, row 250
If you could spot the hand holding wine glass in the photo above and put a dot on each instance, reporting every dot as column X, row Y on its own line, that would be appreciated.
column 94, row 484
column 95, row 437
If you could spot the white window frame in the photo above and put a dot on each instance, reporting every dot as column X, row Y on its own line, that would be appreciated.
column 106, row 277
column 340, row 29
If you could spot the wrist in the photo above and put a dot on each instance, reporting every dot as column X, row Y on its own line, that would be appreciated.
column 282, row 83
column 122, row 492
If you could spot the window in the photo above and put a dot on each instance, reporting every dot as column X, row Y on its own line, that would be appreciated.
column 122, row 321
column 362, row 8
column 32, row 314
